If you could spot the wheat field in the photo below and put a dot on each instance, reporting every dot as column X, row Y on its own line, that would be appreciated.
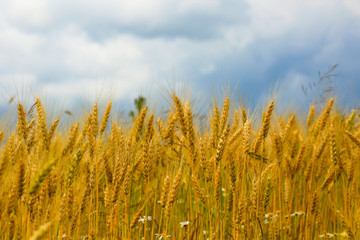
column 240, row 176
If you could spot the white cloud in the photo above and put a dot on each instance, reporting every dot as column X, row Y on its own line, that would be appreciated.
column 16, row 46
column 353, row 6
column 90, row 88
column 67, row 46
column 28, row 13
column 82, row 54
column 17, row 80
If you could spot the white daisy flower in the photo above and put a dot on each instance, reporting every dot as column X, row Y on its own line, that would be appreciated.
column 161, row 236
column 145, row 218
column 295, row 214
column 344, row 234
column 185, row 223
column 330, row 235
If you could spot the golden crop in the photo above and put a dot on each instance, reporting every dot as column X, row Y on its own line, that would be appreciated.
column 292, row 177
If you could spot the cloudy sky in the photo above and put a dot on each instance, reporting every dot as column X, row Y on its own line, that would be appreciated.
column 67, row 49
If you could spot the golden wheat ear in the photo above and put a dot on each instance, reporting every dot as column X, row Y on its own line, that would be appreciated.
column 264, row 127
column 105, row 118
column 34, row 187
column 21, row 124
column 310, row 117
column 41, row 231
column 42, row 122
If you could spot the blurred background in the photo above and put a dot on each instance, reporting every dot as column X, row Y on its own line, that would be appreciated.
column 72, row 50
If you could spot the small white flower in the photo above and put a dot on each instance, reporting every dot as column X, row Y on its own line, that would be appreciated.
column 65, row 236
column 223, row 189
column 145, row 218
column 295, row 214
column 185, row 223
column 330, row 235
column 204, row 232
column 271, row 215
column 162, row 236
